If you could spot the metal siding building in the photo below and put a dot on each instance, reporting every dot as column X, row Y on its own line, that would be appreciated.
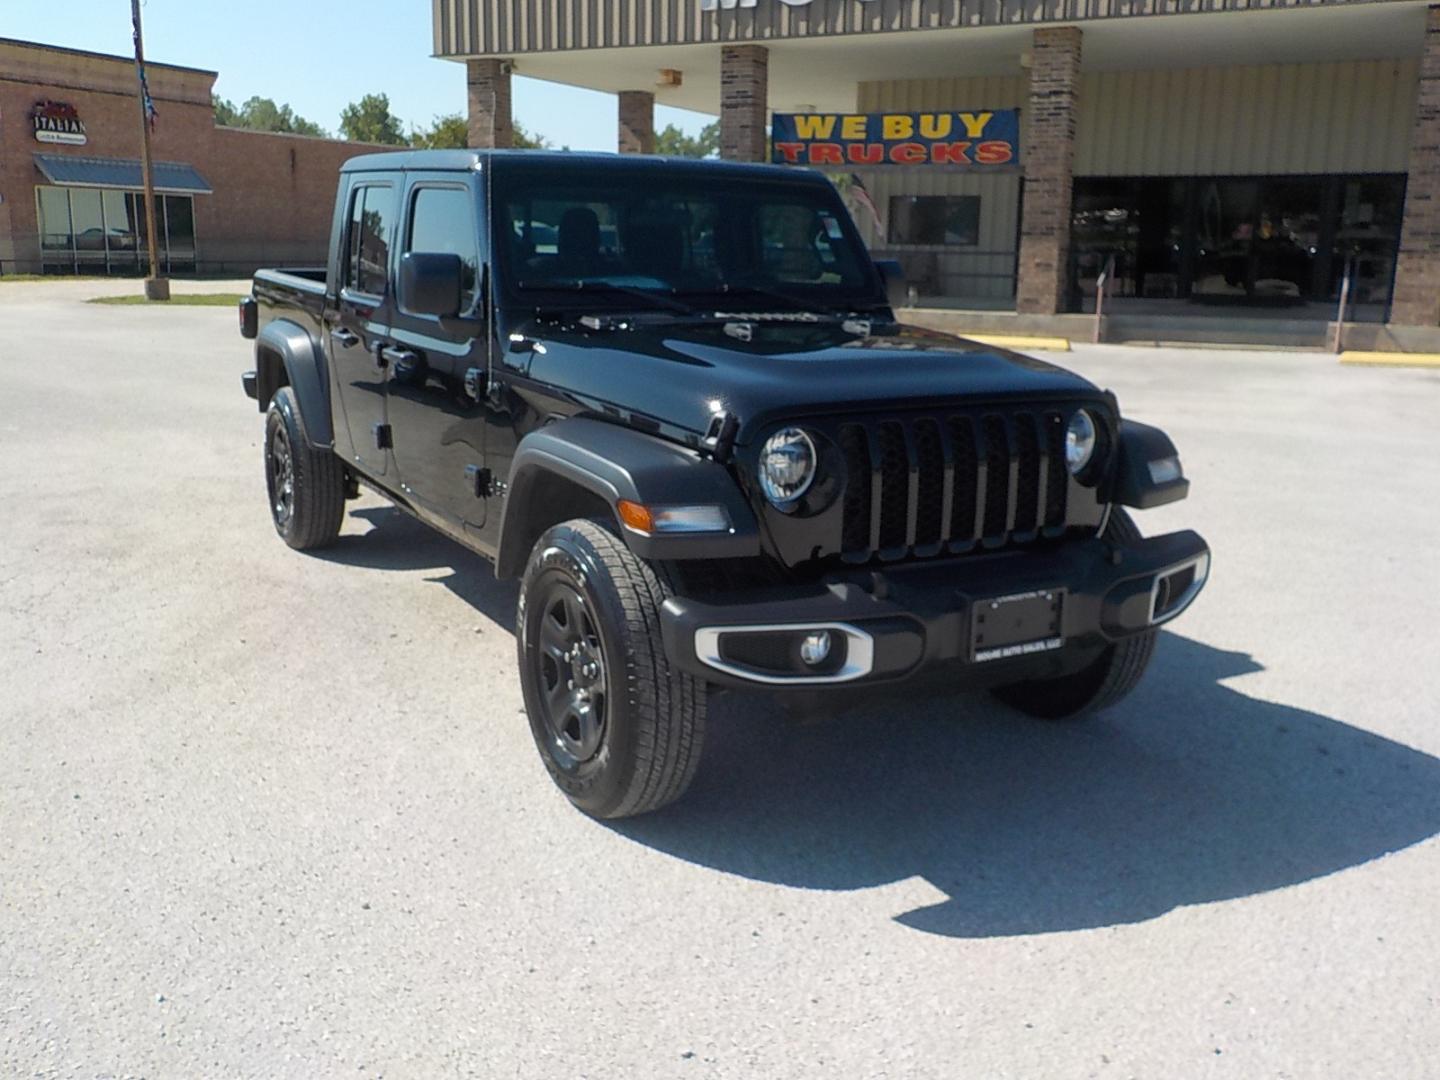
column 1242, row 153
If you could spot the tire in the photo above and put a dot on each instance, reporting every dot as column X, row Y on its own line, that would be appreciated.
column 619, row 730
column 306, row 487
column 1105, row 682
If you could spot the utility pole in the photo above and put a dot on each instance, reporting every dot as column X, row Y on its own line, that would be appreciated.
column 156, row 287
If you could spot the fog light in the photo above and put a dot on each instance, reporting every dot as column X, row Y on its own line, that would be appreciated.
column 816, row 647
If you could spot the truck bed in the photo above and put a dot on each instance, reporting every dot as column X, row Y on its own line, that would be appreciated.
column 293, row 293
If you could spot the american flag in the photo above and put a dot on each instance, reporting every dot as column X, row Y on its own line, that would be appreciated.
column 862, row 196
column 150, row 111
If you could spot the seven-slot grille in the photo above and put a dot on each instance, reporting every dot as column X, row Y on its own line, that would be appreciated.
column 927, row 485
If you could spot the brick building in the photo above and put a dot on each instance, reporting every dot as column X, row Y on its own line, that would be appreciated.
column 228, row 200
column 1227, row 159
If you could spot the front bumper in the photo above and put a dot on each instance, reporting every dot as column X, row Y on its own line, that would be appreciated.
column 895, row 622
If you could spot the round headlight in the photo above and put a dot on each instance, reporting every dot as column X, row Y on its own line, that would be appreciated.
column 787, row 465
column 1079, row 441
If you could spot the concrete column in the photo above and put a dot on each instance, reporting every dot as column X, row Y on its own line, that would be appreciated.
column 1417, row 271
column 488, row 81
column 637, row 122
column 1049, row 156
column 744, row 88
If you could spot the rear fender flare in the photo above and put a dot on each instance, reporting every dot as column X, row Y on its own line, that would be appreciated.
column 285, row 347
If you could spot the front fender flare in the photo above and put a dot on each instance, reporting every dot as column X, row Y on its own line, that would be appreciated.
column 614, row 463
column 304, row 365
column 1148, row 473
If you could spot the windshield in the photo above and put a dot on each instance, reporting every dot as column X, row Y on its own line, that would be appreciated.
column 624, row 240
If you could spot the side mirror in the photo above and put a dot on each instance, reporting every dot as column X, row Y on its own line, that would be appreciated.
column 893, row 275
column 431, row 283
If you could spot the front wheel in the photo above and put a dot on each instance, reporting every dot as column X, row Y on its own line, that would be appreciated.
column 1105, row 681
column 619, row 730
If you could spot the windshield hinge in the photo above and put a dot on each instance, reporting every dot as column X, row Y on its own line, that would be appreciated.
column 720, row 436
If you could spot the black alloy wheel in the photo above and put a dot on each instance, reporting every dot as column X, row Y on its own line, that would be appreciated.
column 620, row 731
column 305, row 485
column 571, row 673
column 280, row 477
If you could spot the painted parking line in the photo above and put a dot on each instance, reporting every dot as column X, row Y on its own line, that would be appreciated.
column 1392, row 359
column 1011, row 341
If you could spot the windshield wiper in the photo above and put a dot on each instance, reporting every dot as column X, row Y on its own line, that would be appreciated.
column 581, row 285
column 800, row 304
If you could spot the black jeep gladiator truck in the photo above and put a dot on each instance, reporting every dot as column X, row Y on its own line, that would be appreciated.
column 673, row 399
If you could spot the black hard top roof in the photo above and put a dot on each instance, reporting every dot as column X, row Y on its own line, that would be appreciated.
column 590, row 161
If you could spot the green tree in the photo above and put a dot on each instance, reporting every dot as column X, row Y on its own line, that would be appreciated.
column 451, row 132
column 525, row 140
column 672, row 142
column 370, row 120
column 262, row 114
column 448, row 132
column 226, row 115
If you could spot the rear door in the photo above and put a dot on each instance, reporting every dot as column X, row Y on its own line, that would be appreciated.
column 437, row 381
column 358, row 322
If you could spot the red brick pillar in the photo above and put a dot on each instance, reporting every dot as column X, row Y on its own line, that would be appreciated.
column 1417, row 271
column 637, row 122
column 1049, row 156
column 744, row 87
column 488, row 81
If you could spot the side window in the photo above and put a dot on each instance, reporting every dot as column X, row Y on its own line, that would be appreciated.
column 442, row 220
column 368, row 245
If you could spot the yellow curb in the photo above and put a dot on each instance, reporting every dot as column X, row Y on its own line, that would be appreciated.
column 1392, row 359
column 1007, row 341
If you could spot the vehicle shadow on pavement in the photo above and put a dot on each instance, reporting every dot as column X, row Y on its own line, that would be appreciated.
column 1189, row 792
column 398, row 541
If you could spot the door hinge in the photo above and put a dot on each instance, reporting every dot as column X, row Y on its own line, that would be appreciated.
column 481, row 480
column 383, row 441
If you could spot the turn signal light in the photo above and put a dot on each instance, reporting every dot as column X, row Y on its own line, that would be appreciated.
column 636, row 516
column 672, row 519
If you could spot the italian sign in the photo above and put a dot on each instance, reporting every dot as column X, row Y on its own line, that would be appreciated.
column 57, row 122
column 986, row 139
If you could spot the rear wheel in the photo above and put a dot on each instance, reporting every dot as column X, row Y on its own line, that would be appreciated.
column 619, row 730
column 306, row 487
column 1105, row 681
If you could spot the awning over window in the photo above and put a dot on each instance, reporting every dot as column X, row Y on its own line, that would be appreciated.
column 171, row 177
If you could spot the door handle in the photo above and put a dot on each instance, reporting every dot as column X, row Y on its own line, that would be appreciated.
column 393, row 355
column 344, row 337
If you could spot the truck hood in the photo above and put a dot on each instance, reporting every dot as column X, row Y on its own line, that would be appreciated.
column 682, row 374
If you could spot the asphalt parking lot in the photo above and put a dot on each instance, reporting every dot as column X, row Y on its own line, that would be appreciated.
column 266, row 814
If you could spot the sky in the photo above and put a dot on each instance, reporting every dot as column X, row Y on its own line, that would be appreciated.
column 318, row 56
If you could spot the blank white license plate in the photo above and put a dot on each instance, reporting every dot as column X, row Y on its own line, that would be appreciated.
column 1017, row 625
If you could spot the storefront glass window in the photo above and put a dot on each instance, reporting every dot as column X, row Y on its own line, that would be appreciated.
column 1105, row 233
column 120, row 232
column 87, row 219
column 96, row 231
column 55, row 231
column 935, row 219
column 1365, row 236
column 1260, row 242
column 180, row 233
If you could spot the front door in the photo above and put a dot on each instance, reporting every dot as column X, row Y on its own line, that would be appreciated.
column 358, row 322
column 437, row 382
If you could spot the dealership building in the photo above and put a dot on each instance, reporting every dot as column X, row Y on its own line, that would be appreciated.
column 227, row 200
column 1232, row 161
